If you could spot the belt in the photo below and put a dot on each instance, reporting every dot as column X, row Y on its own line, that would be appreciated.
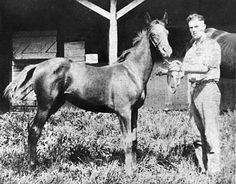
column 203, row 82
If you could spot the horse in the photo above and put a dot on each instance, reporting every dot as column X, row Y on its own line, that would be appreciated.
column 118, row 88
column 227, row 42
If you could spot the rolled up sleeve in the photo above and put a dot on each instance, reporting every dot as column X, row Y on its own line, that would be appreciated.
column 212, row 55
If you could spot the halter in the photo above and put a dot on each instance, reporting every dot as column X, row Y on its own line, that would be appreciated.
column 167, row 62
column 156, row 45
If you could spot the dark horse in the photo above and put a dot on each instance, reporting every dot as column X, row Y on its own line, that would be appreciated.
column 118, row 88
column 227, row 42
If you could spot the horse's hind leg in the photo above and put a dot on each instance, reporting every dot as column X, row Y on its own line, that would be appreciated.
column 35, row 129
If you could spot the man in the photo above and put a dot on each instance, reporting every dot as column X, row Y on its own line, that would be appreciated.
column 202, row 63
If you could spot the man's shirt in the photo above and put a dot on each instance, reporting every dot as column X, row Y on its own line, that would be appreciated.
column 206, row 52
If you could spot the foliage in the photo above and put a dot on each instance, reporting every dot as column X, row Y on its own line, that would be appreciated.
column 84, row 147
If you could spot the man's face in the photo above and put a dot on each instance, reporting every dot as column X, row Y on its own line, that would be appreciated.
column 197, row 28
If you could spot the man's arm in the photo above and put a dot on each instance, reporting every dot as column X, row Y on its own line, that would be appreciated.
column 187, row 68
column 194, row 68
column 209, row 59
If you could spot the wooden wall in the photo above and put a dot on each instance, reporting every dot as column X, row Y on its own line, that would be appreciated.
column 5, row 64
column 31, row 47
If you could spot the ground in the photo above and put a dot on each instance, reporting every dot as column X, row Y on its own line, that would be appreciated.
column 84, row 147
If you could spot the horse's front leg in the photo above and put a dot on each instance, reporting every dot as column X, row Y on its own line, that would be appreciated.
column 128, row 122
column 35, row 130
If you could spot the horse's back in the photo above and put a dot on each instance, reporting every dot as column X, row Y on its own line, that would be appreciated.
column 54, row 63
column 88, row 86
column 227, row 42
column 103, row 88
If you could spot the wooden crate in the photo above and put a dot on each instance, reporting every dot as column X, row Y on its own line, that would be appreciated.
column 75, row 51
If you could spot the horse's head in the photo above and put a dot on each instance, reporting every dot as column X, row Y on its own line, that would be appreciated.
column 159, row 34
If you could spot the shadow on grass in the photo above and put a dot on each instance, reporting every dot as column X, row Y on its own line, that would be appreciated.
column 102, row 157
column 185, row 151
column 83, row 155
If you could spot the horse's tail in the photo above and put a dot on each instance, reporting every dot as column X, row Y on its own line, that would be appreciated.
column 19, row 88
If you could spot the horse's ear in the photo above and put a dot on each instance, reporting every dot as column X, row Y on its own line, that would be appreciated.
column 165, row 18
column 147, row 18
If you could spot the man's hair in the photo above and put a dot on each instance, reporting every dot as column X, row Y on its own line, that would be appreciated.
column 195, row 16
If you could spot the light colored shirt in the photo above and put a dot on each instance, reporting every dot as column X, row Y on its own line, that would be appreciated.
column 205, row 52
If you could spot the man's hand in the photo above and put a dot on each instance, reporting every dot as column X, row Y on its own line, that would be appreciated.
column 161, row 71
column 175, row 65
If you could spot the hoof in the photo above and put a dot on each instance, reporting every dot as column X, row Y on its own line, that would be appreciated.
column 130, row 170
column 32, row 166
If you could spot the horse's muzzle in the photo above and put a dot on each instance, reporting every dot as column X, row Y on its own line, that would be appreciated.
column 165, row 51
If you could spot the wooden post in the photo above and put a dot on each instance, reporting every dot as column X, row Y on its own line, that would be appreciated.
column 128, row 8
column 95, row 8
column 113, row 33
column 113, row 16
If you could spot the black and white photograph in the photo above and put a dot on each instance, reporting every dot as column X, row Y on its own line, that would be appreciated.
column 117, row 92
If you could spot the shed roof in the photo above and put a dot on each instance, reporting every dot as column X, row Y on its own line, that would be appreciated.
column 44, row 14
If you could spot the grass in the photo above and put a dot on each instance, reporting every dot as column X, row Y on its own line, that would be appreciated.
column 83, row 147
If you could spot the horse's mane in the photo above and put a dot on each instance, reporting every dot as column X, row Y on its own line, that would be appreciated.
column 125, row 54
column 139, row 37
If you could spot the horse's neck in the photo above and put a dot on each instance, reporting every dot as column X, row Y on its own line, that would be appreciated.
column 141, row 61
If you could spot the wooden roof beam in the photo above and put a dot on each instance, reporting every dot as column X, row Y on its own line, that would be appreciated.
column 95, row 8
column 113, row 33
column 129, row 7
column 113, row 16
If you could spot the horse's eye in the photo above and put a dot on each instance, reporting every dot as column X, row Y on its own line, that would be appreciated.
column 154, row 35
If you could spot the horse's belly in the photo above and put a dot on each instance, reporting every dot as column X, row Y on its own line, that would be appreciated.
column 94, row 103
